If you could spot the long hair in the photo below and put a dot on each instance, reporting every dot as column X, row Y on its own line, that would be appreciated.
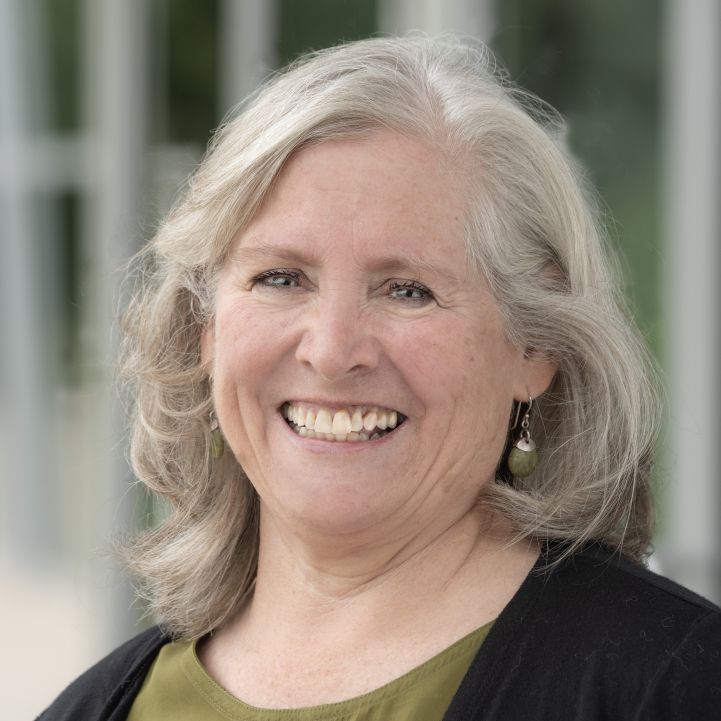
column 532, row 231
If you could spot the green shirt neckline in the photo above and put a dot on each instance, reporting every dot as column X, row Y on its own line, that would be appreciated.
column 178, row 687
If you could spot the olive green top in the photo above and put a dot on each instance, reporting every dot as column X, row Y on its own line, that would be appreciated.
column 177, row 688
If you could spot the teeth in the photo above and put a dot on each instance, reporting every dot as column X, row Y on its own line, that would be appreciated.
column 361, row 423
column 310, row 419
column 370, row 421
column 323, row 422
column 341, row 423
column 357, row 420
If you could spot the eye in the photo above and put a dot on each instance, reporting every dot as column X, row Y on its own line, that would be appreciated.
column 278, row 278
column 410, row 290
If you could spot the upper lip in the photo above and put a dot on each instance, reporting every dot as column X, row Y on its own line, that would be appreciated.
column 338, row 405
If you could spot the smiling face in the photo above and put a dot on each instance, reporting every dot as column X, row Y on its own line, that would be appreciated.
column 345, row 306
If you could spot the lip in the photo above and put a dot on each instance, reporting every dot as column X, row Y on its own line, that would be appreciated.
column 315, row 445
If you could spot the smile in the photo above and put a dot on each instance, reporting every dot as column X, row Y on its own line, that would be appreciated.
column 351, row 424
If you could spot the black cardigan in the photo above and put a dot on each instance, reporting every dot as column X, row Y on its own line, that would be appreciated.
column 596, row 638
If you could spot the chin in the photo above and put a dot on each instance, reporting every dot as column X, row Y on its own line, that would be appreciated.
column 337, row 512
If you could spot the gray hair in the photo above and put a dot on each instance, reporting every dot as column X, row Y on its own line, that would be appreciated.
column 532, row 231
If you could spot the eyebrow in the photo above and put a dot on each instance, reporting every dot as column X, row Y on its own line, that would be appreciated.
column 261, row 251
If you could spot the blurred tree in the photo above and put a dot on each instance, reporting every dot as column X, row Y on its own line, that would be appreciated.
column 192, row 67
column 597, row 63
column 55, row 97
column 316, row 24
column 60, row 32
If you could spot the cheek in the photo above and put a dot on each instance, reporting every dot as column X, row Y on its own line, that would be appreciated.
column 241, row 364
column 457, row 359
column 462, row 376
column 242, row 340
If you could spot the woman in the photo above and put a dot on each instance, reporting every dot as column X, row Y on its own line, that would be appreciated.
column 404, row 429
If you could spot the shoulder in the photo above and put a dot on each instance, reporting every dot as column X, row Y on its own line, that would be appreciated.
column 596, row 583
column 596, row 637
column 111, row 684
column 654, row 639
column 638, row 635
column 609, row 601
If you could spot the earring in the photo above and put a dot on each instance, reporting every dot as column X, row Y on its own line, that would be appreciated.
column 523, row 458
column 217, row 443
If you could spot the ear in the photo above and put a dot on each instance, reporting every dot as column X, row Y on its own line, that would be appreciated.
column 207, row 347
column 536, row 374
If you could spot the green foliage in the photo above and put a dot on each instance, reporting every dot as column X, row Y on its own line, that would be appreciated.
column 60, row 30
column 315, row 24
column 193, row 66
column 597, row 62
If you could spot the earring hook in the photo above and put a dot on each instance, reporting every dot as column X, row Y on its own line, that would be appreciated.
column 518, row 412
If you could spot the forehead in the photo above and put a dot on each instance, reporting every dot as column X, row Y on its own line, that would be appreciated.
column 384, row 164
column 378, row 193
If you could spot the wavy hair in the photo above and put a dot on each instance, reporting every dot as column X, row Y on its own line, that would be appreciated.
column 533, row 232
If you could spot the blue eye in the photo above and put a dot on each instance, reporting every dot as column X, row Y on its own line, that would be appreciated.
column 409, row 290
column 279, row 278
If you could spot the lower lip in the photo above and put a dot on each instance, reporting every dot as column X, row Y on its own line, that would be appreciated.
column 317, row 445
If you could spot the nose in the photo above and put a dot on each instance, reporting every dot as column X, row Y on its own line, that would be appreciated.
column 337, row 340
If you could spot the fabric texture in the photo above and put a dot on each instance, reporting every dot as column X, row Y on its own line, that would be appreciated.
column 596, row 638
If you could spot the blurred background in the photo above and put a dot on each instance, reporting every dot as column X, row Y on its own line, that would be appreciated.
column 107, row 105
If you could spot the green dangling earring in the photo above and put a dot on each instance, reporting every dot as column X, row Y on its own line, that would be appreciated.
column 217, row 442
column 523, row 458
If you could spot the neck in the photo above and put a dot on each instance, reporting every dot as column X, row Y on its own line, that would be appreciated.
column 396, row 603
column 392, row 585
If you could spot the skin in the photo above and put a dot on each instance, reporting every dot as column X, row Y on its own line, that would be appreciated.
column 351, row 287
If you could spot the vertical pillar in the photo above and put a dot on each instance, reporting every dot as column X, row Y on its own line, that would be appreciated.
column 116, row 66
column 691, row 536
column 247, row 37
column 27, row 517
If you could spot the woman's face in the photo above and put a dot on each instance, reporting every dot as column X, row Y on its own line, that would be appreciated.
column 347, row 305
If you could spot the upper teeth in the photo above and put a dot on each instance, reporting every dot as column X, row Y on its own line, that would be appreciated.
column 356, row 419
